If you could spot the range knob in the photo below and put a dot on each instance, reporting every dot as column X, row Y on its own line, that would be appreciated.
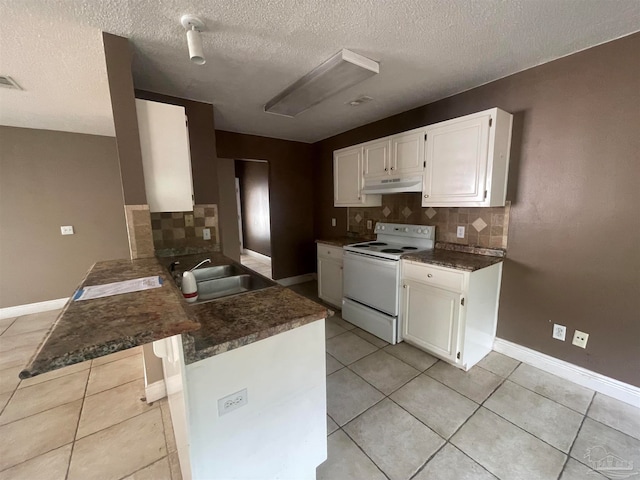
column 382, row 227
column 419, row 230
column 406, row 229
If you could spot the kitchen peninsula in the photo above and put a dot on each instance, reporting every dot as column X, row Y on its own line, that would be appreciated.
column 245, row 374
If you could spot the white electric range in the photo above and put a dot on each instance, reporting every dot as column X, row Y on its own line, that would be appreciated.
column 371, row 276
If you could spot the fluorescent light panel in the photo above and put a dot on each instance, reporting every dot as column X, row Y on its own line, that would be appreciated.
column 341, row 71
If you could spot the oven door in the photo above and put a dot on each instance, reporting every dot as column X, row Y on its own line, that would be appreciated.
column 372, row 281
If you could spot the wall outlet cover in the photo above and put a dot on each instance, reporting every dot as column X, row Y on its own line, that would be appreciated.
column 232, row 402
column 206, row 233
column 188, row 220
column 559, row 332
column 333, row 222
column 67, row 230
column 580, row 339
column 460, row 231
column 369, row 225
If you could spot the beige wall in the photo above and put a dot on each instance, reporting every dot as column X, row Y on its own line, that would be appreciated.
column 49, row 179
column 573, row 182
column 229, row 232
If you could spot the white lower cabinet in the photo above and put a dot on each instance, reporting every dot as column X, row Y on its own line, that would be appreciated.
column 330, row 274
column 450, row 313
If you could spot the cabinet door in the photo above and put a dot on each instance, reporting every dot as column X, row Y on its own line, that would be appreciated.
column 456, row 158
column 408, row 152
column 431, row 318
column 166, row 160
column 330, row 281
column 376, row 158
column 347, row 177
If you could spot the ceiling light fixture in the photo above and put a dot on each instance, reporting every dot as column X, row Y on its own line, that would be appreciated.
column 341, row 71
column 194, row 26
column 356, row 102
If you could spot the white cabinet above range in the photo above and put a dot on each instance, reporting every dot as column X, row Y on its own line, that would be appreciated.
column 461, row 162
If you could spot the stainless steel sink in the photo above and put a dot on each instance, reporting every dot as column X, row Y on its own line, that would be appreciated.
column 225, row 280
column 221, row 271
column 224, row 287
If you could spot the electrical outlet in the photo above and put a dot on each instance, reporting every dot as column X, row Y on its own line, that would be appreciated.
column 66, row 230
column 206, row 234
column 580, row 339
column 559, row 332
column 333, row 222
column 460, row 231
column 188, row 220
column 232, row 402
column 369, row 224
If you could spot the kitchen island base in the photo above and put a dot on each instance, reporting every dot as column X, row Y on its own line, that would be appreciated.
column 278, row 427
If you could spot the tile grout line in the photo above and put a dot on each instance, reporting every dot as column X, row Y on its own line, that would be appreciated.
column 584, row 417
column 362, row 450
column 39, row 455
column 75, row 434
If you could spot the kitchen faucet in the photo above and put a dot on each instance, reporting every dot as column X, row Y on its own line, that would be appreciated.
column 206, row 260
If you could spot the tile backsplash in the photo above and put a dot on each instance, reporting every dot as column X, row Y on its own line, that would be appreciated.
column 484, row 226
column 170, row 231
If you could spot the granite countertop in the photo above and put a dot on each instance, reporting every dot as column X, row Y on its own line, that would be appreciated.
column 345, row 240
column 92, row 328
column 89, row 329
column 459, row 257
column 235, row 321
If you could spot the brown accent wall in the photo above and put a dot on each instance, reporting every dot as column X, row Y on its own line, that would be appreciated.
column 254, row 200
column 49, row 179
column 291, row 185
column 117, row 54
column 575, row 229
column 202, row 143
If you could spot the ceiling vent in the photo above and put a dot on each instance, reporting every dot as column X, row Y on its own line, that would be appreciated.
column 341, row 71
column 359, row 101
column 8, row 82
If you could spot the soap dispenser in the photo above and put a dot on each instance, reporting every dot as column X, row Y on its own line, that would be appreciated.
column 189, row 287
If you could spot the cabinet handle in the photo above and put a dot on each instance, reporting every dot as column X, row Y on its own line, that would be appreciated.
column 404, row 286
column 429, row 275
column 426, row 196
column 386, row 169
column 391, row 168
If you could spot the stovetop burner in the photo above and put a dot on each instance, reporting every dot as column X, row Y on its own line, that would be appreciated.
column 391, row 250
column 377, row 244
column 361, row 245
column 409, row 248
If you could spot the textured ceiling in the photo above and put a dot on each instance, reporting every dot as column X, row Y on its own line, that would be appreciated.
column 427, row 49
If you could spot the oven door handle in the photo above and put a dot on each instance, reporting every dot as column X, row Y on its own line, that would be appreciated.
column 368, row 258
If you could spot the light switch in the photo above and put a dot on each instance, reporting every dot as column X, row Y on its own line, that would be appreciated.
column 333, row 222
column 67, row 230
column 206, row 233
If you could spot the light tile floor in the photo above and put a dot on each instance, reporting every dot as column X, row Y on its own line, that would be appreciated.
column 86, row 421
column 394, row 412
column 259, row 265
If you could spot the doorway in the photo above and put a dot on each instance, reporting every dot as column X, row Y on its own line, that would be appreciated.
column 254, row 216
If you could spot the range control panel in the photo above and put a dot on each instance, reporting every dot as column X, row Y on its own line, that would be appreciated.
column 405, row 230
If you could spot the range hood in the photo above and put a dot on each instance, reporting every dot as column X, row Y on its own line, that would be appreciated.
column 402, row 184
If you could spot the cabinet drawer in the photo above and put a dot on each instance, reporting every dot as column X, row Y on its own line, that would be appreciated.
column 438, row 277
column 329, row 251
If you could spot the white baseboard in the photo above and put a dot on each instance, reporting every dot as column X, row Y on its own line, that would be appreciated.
column 257, row 255
column 595, row 381
column 155, row 391
column 29, row 308
column 287, row 282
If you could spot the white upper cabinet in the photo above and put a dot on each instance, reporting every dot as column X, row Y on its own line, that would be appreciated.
column 166, row 159
column 395, row 155
column 407, row 152
column 467, row 161
column 348, row 179
column 377, row 158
